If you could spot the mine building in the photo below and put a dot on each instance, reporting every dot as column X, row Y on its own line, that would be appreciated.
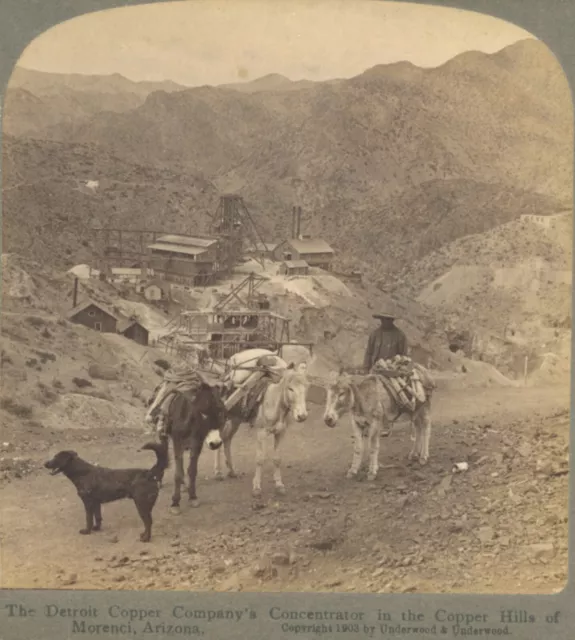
column 93, row 315
column 125, row 275
column 189, row 260
column 263, row 250
column 133, row 330
column 315, row 251
column 153, row 290
column 294, row 268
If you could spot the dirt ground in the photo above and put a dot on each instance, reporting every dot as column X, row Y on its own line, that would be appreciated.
column 499, row 527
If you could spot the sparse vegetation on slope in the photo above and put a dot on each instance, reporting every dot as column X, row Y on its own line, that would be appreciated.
column 36, row 100
column 48, row 213
column 390, row 164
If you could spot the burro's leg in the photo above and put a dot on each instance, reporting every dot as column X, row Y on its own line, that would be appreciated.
column 415, row 438
column 373, row 442
column 218, row 475
column 178, row 476
column 425, row 417
column 358, row 449
column 233, row 427
column 422, row 427
column 228, row 433
column 195, row 451
column 260, row 456
column 276, row 458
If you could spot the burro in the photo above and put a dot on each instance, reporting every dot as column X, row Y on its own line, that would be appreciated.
column 459, row 618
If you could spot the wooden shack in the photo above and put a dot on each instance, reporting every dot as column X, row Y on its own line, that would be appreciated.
column 262, row 250
column 130, row 328
column 316, row 252
column 93, row 315
column 153, row 290
column 294, row 268
column 188, row 260
column 125, row 274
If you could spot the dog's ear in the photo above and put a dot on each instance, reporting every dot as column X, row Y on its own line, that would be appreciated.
column 291, row 365
column 65, row 457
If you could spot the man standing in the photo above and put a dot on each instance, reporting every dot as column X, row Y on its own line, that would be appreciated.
column 385, row 342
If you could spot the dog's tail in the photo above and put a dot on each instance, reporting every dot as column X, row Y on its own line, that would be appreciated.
column 162, row 459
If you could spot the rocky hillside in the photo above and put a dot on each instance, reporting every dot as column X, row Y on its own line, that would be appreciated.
column 498, row 118
column 35, row 99
column 48, row 211
column 56, row 374
column 387, row 166
column 502, row 295
column 507, row 245
column 270, row 82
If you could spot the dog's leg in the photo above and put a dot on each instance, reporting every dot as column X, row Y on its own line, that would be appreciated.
column 276, row 459
column 195, row 450
column 358, row 448
column 145, row 501
column 89, row 509
column 97, row 517
column 178, row 476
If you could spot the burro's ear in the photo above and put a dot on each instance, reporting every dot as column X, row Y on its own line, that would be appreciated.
column 219, row 388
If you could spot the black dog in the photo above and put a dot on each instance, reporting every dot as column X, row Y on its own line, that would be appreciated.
column 98, row 485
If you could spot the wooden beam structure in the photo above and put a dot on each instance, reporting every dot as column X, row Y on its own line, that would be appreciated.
column 225, row 332
column 233, row 223
column 251, row 283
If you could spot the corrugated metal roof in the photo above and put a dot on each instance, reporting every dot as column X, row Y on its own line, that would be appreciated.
column 126, row 271
column 295, row 264
column 189, row 241
column 178, row 248
column 310, row 246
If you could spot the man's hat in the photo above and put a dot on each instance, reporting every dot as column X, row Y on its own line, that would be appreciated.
column 384, row 316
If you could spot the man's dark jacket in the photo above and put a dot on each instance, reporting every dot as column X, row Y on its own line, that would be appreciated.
column 384, row 343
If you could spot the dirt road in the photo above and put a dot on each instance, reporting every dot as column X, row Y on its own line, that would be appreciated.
column 499, row 527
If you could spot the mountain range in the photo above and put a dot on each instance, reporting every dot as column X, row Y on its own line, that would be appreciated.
column 388, row 165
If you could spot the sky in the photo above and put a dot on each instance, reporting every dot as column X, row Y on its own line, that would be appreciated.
column 198, row 42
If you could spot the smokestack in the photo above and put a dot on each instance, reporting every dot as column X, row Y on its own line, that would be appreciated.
column 298, row 222
column 293, row 223
column 75, row 294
